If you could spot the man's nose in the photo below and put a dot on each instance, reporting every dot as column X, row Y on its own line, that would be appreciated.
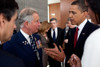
column 70, row 15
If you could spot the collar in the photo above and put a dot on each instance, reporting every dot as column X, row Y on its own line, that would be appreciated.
column 54, row 29
column 24, row 34
column 82, row 24
column 56, row 32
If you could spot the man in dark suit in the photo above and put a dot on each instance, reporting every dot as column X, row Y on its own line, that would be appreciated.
column 77, row 14
column 55, row 35
column 8, row 15
column 84, row 29
column 24, row 43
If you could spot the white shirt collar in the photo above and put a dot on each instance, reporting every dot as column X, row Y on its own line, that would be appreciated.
column 54, row 29
column 81, row 26
column 25, row 35
column 56, row 32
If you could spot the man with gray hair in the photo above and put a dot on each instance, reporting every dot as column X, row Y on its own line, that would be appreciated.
column 23, row 44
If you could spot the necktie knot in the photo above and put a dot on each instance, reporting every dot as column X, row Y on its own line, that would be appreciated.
column 31, row 39
column 53, row 29
column 77, row 29
column 30, row 36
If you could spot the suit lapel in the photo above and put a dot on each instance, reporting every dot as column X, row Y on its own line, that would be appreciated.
column 71, row 35
column 83, row 33
column 24, row 43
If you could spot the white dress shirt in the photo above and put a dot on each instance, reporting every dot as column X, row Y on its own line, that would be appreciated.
column 25, row 35
column 80, row 27
column 56, row 32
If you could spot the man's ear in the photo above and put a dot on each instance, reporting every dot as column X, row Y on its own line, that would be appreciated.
column 2, row 20
column 85, row 13
column 26, row 23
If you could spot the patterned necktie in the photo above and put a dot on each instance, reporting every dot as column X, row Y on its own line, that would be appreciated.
column 31, row 39
column 54, row 35
column 75, row 37
column 33, row 44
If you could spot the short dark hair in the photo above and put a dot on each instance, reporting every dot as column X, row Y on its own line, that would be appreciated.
column 8, row 8
column 53, row 19
column 81, row 6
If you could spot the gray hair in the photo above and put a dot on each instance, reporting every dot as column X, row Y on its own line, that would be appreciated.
column 26, row 15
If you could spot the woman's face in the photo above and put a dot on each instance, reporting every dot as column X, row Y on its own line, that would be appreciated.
column 91, row 13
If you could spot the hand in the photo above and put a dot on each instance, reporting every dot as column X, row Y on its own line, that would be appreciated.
column 55, row 53
column 66, row 40
column 74, row 61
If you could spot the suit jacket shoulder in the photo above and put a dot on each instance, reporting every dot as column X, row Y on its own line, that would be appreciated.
column 20, row 47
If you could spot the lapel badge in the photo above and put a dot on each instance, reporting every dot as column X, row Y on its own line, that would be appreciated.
column 83, row 33
column 25, row 42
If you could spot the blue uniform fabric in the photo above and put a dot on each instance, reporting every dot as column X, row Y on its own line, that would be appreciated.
column 20, row 47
